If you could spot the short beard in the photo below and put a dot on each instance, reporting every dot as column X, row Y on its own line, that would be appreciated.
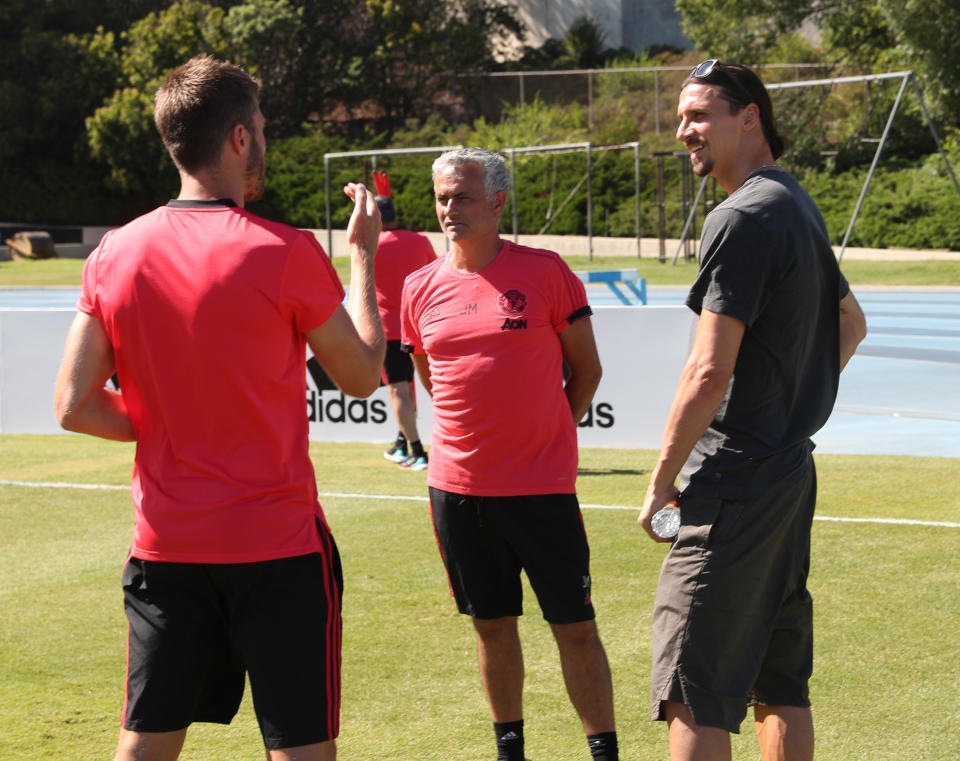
column 255, row 172
column 704, row 168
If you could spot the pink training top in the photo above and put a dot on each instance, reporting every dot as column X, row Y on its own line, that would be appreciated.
column 399, row 253
column 502, row 423
column 206, row 307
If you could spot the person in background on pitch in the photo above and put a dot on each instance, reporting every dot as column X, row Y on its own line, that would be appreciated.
column 205, row 311
column 778, row 323
column 399, row 252
column 490, row 325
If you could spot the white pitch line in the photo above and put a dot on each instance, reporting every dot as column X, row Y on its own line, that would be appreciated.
column 348, row 495
column 56, row 485
column 404, row 498
column 897, row 521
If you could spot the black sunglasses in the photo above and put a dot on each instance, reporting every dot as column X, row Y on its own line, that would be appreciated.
column 713, row 65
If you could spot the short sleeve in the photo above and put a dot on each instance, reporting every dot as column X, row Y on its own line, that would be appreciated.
column 311, row 287
column 410, row 339
column 87, row 301
column 570, row 297
column 843, row 287
column 736, row 267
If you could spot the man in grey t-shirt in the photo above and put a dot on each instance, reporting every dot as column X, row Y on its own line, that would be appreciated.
column 732, row 623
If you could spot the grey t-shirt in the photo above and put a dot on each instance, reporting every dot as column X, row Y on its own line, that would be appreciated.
column 766, row 260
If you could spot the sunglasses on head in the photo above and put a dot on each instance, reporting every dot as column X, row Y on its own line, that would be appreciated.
column 713, row 66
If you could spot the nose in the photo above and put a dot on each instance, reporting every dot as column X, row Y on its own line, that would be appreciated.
column 683, row 127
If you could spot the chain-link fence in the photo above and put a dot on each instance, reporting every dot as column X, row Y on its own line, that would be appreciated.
column 651, row 90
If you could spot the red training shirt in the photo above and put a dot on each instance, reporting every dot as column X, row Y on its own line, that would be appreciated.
column 502, row 423
column 206, row 307
column 399, row 252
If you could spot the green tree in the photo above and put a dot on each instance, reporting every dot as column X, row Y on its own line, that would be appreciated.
column 880, row 35
column 53, row 73
column 305, row 52
column 410, row 49
column 927, row 32
column 121, row 131
column 584, row 45
column 265, row 38
column 742, row 30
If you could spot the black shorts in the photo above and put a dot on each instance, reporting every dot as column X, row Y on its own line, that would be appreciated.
column 486, row 541
column 196, row 629
column 397, row 365
column 732, row 619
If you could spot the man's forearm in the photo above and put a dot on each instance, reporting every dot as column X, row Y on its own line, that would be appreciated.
column 362, row 306
column 103, row 413
column 694, row 407
column 81, row 402
column 422, row 365
column 363, row 232
column 580, row 390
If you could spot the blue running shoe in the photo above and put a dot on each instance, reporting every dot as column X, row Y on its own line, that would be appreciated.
column 395, row 454
column 414, row 463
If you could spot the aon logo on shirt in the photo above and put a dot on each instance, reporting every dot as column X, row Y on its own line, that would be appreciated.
column 511, row 324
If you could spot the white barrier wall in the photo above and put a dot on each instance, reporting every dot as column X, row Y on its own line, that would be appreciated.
column 642, row 350
column 31, row 346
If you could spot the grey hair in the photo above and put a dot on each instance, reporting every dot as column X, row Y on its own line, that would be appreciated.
column 496, row 177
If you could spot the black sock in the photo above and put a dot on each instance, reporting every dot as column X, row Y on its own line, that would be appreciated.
column 509, row 740
column 603, row 746
column 416, row 449
column 401, row 442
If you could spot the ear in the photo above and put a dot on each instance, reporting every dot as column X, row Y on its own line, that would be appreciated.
column 750, row 116
column 238, row 139
column 499, row 201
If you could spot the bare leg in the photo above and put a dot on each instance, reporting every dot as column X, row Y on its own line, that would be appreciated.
column 785, row 733
column 501, row 666
column 326, row 751
column 149, row 746
column 586, row 674
column 401, row 398
column 691, row 742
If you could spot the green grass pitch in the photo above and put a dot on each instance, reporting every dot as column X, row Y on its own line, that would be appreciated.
column 886, row 685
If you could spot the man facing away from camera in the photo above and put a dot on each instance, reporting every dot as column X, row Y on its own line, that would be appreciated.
column 732, row 621
column 490, row 325
column 399, row 252
column 205, row 311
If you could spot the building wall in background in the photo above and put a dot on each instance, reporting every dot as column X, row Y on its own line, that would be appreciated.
column 633, row 24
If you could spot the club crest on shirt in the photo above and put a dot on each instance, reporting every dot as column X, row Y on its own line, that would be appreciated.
column 512, row 302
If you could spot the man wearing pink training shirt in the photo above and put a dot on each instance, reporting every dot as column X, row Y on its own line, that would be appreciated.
column 399, row 252
column 490, row 326
column 204, row 311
